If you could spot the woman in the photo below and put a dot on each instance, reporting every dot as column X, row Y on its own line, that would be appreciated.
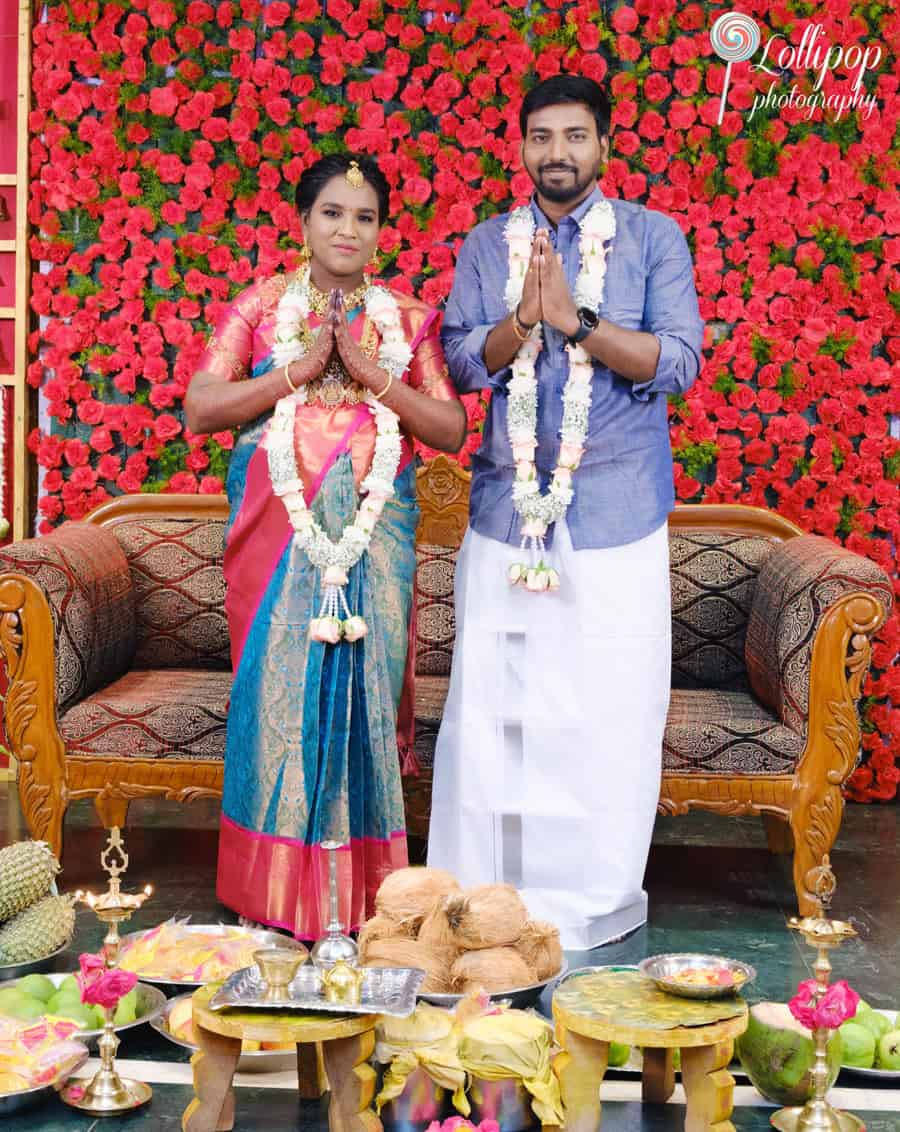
column 317, row 369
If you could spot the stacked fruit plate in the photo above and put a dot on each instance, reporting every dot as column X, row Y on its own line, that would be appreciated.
column 871, row 1043
column 56, row 998
column 175, row 1023
column 36, row 923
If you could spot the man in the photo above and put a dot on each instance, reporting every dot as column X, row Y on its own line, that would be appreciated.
column 548, row 760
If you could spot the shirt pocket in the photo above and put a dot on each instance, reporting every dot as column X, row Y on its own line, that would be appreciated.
column 623, row 302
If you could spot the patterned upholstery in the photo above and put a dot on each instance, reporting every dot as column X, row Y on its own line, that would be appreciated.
column 431, row 692
column 719, row 732
column 713, row 578
column 170, row 712
column 435, row 621
column 85, row 578
column 797, row 583
column 176, row 568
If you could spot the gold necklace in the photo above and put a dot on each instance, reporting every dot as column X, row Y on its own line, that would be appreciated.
column 318, row 300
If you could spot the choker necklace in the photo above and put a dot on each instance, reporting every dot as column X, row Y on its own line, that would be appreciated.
column 318, row 300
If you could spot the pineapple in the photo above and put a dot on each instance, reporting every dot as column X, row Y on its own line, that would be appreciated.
column 38, row 931
column 27, row 869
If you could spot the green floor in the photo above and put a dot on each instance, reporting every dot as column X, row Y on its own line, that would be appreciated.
column 713, row 887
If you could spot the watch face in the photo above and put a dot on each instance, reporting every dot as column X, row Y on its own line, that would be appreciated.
column 588, row 317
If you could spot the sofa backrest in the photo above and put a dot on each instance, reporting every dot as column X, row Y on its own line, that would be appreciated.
column 713, row 579
column 179, row 588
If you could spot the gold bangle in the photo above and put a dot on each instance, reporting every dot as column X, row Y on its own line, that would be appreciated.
column 515, row 325
column 287, row 376
column 390, row 382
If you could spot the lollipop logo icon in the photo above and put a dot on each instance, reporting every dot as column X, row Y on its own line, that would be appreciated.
column 734, row 38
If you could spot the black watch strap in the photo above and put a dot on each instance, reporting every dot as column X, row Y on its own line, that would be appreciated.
column 587, row 321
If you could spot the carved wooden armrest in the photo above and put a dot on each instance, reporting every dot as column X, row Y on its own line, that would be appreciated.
column 814, row 612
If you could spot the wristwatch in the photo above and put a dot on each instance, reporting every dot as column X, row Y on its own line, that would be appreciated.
column 587, row 321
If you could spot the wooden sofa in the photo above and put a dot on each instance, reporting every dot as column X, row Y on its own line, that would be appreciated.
column 115, row 645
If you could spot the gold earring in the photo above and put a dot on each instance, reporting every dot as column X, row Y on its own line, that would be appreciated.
column 374, row 262
column 305, row 253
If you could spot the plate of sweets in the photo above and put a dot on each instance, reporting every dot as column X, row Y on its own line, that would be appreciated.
column 178, row 953
column 690, row 975
column 36, row 1057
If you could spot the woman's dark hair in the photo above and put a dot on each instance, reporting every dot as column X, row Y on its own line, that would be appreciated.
column 568, row 88
column 317, row 176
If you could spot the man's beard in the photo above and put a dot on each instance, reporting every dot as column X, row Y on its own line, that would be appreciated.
column 562, row 194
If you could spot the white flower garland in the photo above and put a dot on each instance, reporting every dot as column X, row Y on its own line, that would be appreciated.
column 538, row 509
column 335, row 559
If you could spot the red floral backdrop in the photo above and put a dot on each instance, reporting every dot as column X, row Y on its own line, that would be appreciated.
column 167, row 137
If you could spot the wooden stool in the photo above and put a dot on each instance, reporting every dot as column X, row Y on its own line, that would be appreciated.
column 706, row 1051
column 347, row 1041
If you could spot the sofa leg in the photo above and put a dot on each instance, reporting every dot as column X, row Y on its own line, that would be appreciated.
column 112, row 811
column 814, row 835
column 44, row 809
column 778, row 834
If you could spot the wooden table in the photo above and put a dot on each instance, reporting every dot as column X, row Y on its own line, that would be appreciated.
column 347, row 1041
column 585, row 1030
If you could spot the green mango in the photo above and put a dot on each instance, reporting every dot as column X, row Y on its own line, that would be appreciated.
column 126, row 1008
column 38, row 986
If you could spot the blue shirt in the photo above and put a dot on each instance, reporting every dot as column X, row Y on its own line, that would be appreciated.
column 623, row 488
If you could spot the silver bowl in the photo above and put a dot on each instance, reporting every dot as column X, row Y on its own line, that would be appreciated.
column 421, row 1102
column 11, row 1103
column 262, row 937
column 150, row 1000
column 662, row 969
column 255, row 1061
column 31, row 966
column 517, row 997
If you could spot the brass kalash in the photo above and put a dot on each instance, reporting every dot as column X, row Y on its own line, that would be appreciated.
column 822, row 933
column 108, row 1093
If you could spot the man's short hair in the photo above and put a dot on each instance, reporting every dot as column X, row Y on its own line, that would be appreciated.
column 568, row 88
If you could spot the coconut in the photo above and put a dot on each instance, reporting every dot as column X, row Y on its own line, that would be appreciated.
column 491, row 915
column 539, row 946
column 409, row 953
column 408, row 895
column 491, row 969
column 380, row 927
column 778, row 1054
column 437, row 934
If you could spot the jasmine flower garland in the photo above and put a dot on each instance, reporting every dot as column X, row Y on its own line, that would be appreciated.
column 537, row 509
column 335, row 559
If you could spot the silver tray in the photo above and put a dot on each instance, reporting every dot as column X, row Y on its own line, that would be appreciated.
column 517, row 997
column 262, row 936
column 385, row 990
column 250, row 1061
column 32, row 966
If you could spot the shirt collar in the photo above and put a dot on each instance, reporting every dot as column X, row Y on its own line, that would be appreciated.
column 577, row 215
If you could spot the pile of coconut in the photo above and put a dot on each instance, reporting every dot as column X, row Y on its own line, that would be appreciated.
column 474, row 939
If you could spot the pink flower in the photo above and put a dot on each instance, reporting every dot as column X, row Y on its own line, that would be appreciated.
column 828, row 1010
column 837, row 1005
column 101, row 986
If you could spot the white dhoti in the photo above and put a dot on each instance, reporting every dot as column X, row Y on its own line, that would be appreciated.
column 547, row 766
